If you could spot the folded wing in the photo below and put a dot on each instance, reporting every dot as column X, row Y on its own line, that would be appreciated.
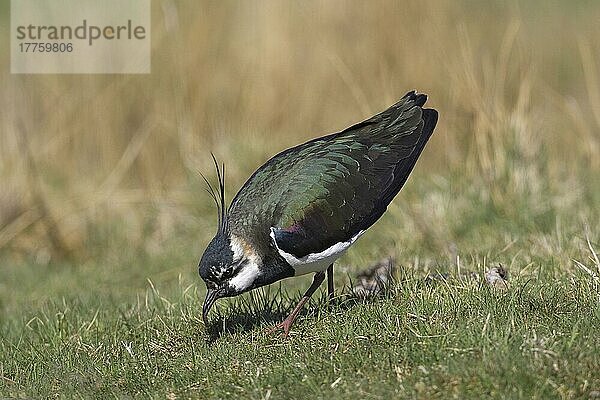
column 324, row 192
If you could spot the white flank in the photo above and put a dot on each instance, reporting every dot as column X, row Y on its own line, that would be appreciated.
column 250, row 271
column 315, row 262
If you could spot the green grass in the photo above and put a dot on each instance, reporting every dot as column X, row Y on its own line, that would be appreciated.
column 125, row 322
column 128, row 324
column 423, row 340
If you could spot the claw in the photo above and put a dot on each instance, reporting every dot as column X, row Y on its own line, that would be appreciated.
column 286, row 326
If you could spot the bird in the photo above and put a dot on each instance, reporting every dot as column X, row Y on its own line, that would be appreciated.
column 304, row 207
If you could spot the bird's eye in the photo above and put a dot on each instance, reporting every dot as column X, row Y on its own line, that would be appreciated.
column 228, row 272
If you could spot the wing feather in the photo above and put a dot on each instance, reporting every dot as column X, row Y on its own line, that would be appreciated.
column 325, row 191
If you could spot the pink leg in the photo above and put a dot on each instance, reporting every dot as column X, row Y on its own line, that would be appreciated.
column 287, row 323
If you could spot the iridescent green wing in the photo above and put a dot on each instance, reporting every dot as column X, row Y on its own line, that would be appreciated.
column 327, row 190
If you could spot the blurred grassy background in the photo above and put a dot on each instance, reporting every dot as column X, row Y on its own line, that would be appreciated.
column 102, row 170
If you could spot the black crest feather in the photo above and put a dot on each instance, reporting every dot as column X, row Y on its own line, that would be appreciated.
column 218, row 195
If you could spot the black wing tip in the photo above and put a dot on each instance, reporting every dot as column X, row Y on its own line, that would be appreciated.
column 430, row 118
column 430, row 115
column 418, row 98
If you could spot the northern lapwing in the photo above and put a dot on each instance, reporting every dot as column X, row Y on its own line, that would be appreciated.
column 303, row 208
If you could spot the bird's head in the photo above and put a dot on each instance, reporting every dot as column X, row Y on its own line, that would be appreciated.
column 229, row 267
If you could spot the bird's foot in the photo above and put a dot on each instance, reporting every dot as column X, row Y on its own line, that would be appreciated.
column 285, row 326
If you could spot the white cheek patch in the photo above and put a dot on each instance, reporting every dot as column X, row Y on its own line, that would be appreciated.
column 245, row 277
column 250, row 270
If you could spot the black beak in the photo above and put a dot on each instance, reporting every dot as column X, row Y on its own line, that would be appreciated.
column 211, row 297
